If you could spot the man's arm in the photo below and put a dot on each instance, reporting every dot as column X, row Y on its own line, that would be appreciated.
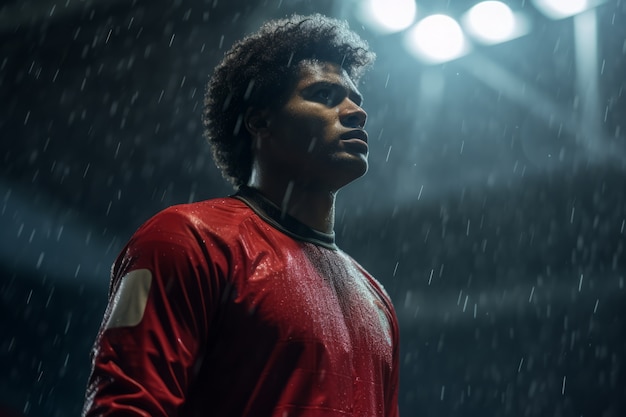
column 159, row 311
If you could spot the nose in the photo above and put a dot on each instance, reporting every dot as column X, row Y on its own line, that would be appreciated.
column 352, row 115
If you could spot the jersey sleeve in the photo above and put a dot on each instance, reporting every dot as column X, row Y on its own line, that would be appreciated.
column 392, row 399
column 165, row 287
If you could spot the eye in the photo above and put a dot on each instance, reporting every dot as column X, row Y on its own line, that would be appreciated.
column 324, row 95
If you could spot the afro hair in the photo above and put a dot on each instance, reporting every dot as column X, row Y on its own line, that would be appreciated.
column 261, row 69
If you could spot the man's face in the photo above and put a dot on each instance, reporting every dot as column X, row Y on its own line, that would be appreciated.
column 317, row 136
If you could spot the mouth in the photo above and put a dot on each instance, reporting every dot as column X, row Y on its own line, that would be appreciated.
column 355, row 141
column 355, row 134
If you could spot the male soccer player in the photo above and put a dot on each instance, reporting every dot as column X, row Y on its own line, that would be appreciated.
column 245, row 306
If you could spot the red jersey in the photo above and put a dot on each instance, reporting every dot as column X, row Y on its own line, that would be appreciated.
column 229, row 308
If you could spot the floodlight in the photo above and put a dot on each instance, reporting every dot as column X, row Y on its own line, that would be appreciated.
column 490, row 22
column 387, row 16
column 436, row 38
column 559, row 9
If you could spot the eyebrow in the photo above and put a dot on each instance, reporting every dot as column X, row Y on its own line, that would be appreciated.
column 354, row 95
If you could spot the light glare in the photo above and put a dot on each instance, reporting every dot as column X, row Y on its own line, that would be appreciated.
column 436, row 38
column 559, row 9
column 491, row 22
column 388, row 16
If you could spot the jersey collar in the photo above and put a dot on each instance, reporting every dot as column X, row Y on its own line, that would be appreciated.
column 287, row 224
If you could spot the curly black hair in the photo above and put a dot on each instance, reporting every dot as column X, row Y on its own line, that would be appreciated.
column 261, row 69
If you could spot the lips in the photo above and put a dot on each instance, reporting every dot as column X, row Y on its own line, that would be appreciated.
column 355, row 141
column 359, row 134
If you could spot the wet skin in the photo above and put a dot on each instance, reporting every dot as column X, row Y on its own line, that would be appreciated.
column 316, row 139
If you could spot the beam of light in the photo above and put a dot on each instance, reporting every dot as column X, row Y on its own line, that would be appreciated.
column 519, row 91
column 559, row 9
column 436, row 38
column 388, row 16
column 587, row 75
column 493, row 22
column 542, row 107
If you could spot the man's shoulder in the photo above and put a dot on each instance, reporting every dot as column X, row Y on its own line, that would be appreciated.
column 212, row 210
column 214, row 216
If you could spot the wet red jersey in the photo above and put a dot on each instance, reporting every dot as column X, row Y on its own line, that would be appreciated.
column 228, row 308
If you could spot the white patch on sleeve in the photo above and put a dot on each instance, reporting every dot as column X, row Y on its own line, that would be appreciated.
column 131, row 297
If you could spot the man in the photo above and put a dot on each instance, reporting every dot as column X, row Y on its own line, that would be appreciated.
column 244, row 306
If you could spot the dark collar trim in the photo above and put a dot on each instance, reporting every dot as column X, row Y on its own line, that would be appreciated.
column 287, row 224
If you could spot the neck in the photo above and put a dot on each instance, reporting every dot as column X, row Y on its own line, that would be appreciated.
column 310, row 205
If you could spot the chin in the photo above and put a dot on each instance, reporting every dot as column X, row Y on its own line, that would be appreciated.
column 350, row 173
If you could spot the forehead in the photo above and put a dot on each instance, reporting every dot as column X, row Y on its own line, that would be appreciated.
column 312, row 72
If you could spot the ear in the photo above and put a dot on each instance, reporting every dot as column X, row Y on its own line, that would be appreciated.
column 257, row 122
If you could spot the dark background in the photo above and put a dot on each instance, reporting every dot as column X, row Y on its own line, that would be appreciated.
column 494, row 211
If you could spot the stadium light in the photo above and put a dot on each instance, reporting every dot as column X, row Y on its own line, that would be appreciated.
column 388, row 16
column 493, row 22
column 559, row 9
column 437, row 38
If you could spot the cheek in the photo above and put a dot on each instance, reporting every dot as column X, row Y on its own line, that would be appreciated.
column 305, row 130
column 313, row 145
column 315, row 136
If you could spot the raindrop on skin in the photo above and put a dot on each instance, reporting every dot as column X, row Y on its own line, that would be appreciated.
column 312, row 144
column 287, row 197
